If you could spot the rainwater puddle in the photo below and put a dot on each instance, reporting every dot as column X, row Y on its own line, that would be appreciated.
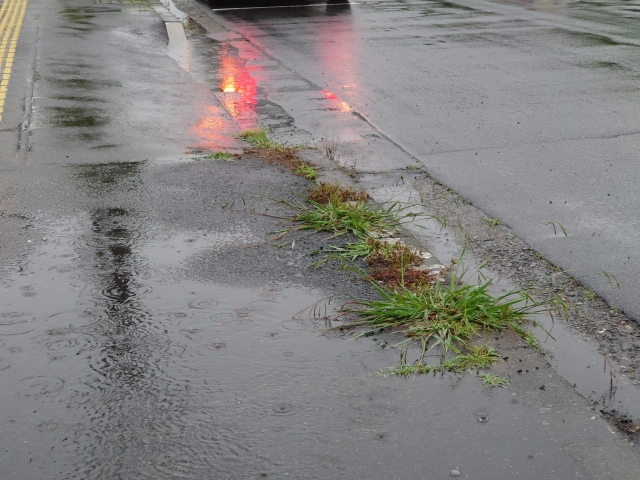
column 121, row 367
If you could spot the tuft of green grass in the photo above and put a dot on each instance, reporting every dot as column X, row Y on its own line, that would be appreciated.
column 352, row 251
column 226, row 156
column 307, row 171
column 478, row 358
column 392, row 264
column 258, row 138
column 374, row 250
column 445, row 316
column 492, row 222
column 493, row 380
column 590, row 295
column 528, row 336
column 361, row 219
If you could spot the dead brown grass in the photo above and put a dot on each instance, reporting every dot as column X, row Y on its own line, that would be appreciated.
column 396, row 255
column 325, row 192
column 394, row 265
column 410, row 278
column 284, row 156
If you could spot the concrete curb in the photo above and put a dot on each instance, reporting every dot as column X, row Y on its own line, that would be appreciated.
column 174, row 26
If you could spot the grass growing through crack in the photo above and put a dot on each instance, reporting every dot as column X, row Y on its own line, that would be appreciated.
column 397, row 254
column 374, row 250
column 340, row 211
column 392, row 264
column 273, row 152
column 446, row 317
column 329, row 147
column 478, row 358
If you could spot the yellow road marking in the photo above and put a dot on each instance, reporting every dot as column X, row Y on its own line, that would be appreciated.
column 12, row 15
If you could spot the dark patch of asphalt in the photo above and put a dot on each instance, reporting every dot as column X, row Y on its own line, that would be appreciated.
column 147, row 332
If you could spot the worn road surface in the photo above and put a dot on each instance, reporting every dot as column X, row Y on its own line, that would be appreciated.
column 146, row 332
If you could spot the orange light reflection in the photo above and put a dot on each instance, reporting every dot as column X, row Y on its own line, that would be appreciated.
column 240, row 90
column 215, row 131
column 336, row 46
column 337, row 103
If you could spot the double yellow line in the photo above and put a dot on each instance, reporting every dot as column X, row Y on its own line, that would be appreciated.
column 11, row 16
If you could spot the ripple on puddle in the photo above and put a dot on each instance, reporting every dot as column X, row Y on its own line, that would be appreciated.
column 282, row 408
column 13, row 318
column 202, row 304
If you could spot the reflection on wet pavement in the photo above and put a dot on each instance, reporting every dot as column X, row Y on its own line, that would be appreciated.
column 219, row 67
column 215, row 131
column 257, row 88
column 239, row 87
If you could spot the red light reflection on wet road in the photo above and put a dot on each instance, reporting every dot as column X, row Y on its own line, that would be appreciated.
column 336, row 49
column 239, row 88
column 337, row 103
column 238, row 96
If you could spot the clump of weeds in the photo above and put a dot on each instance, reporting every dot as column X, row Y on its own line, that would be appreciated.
column 258, row 139
column 397, row 254
column 394, row 265
column 334, row 192
column 403, row 278
column 443, row 315
column 493, row 380
column 307, row 171
column 225, row 156
column 273, row 152
column 373, row 250
column 446, row 317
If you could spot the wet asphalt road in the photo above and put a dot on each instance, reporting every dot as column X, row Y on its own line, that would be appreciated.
column 528, row 109
column 145, row 332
